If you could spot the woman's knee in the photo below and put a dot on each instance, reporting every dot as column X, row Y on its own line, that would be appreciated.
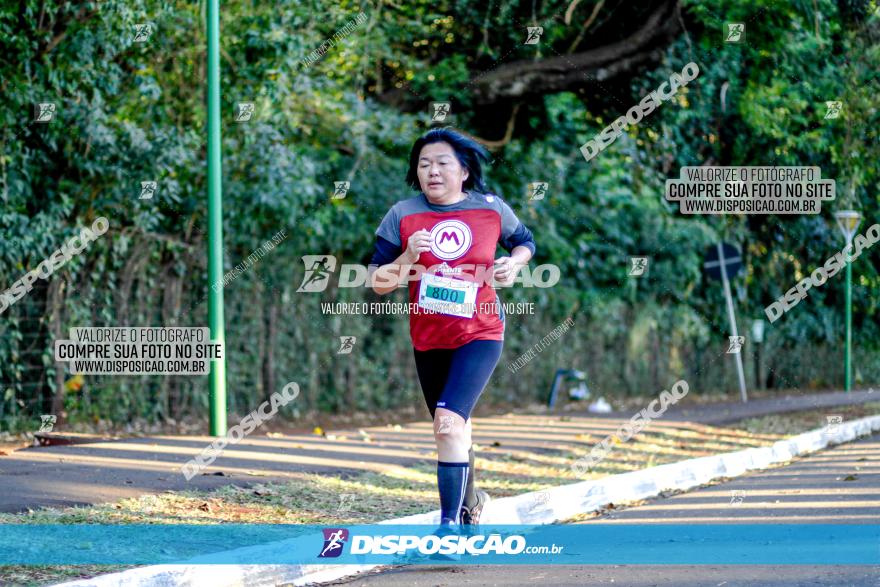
column 450, row 427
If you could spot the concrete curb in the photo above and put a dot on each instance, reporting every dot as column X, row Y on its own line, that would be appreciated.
column 541, row 507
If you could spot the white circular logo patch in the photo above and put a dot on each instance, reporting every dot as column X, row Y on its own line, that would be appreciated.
column 450, row 239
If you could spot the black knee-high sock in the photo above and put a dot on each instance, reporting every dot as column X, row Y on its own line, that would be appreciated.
column 470, row 495
column 451, row 481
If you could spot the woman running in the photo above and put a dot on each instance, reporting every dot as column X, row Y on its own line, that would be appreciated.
column 452, row 227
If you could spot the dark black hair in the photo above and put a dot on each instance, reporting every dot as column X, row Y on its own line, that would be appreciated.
column 468, row 152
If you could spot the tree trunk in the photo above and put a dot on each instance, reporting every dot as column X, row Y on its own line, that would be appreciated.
column 170, row 309
column 55, row 310
column 271, row 331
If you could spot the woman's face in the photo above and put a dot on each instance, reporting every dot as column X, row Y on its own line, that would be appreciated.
column 440, row 174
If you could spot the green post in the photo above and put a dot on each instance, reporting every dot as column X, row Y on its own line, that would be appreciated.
column 848, row 222
column 847, row 352
column 215, row 224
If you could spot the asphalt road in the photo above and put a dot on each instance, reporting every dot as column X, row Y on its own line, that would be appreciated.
column 840, row 485
column 101, row 472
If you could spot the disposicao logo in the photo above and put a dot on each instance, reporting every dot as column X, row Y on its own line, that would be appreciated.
column 334, row 540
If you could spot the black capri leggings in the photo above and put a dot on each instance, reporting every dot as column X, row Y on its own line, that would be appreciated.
column 454, row 378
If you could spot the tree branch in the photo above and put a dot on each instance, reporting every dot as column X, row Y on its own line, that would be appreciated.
column 521, row 79
column 508, row 134
column 587, row 24
column 81, row 16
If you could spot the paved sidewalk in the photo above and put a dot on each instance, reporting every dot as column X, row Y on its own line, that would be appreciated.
column 723, row 413
column 732, row 412
column 108, row 471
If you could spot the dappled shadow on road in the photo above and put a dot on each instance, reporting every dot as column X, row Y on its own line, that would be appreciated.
column 516, row 453
column 837, row 486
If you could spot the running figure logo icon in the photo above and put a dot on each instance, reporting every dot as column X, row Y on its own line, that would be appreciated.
column 446, row 423
column 44, row 112
column 47, row 422
column 345, row 502
column 539, row 501
column 834, row 422
column 148, row 189
column 142, row 33
column 638, row 266
column 534, row 35
column 318, row 270
column 439, row 111
column 834, row 107
column 334, row 540
column 450, row 239
column 737, row 496
column 244, row 111
column 736, row 343
column 537, row 190
column 346, row 344
column 735, row 32
column 341, row 188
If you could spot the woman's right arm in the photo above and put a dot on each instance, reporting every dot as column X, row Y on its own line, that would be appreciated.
column 386, row 276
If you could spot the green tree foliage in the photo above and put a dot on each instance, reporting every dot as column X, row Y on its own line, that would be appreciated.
column 132, row 111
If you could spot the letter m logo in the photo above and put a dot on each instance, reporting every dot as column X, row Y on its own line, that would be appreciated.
column 446, row 236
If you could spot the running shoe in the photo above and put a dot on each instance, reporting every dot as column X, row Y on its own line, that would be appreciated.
column 471, row 515
column 446, row 529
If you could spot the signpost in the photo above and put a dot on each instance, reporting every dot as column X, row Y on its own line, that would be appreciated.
column 848, row 221
column 723, row 261
column 758, row 339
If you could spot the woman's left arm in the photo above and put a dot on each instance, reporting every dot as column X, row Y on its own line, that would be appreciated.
column 516, row 238
column 522, row 255
column 507, row 268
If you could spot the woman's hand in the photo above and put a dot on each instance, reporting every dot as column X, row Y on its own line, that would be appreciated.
column 506, row 270
column 419, row 242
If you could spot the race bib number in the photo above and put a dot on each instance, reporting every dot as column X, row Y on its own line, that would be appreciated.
column 447, row 295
